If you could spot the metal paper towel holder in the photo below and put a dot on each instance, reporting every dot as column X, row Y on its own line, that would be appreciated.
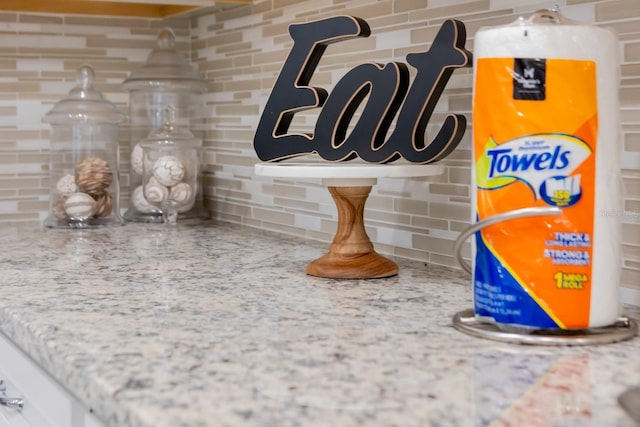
column 468, row 322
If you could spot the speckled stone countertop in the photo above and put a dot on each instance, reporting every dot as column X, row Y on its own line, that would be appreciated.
column 218, row 325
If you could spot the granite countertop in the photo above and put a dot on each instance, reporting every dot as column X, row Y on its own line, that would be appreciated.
column 218, row 325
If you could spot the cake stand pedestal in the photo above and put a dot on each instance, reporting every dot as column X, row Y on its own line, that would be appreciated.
column 351, row 254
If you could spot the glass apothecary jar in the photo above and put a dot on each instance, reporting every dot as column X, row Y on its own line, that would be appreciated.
column 171, row 159
column 83, row 166
column 165, row 81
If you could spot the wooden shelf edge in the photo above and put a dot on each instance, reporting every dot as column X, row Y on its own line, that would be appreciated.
column 132, row 8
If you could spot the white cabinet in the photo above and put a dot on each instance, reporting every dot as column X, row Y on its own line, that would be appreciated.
column 46, row 403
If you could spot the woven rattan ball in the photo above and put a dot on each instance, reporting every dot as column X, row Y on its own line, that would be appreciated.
column 104, row 205
column 93, row 176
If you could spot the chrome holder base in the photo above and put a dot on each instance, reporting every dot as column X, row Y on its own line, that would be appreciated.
column 623, row 329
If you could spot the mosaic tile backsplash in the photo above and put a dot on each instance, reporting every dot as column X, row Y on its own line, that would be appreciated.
column 239, row 49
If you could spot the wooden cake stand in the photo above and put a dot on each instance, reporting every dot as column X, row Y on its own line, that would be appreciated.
column 351, row 254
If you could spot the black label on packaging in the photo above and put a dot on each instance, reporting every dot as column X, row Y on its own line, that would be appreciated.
column 529, row 79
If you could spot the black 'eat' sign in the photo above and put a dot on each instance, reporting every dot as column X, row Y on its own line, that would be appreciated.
column 388, row 90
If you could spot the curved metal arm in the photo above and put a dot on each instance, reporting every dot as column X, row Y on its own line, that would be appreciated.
column 506, row 216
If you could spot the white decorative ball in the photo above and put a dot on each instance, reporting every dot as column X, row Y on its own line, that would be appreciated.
column 79, row 206
column 140, row 203
column 155, row 192
column 137, row 160
column 181, row 192
column 168, row 170
column 67, row 184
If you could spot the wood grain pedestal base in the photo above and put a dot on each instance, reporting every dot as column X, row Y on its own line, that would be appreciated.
column 351, row 254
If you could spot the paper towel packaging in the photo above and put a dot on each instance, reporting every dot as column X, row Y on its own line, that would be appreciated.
column 545, row 134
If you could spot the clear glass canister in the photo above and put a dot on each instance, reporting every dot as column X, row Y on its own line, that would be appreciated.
column 165, row 81
column 171, row 159
column 83, row 166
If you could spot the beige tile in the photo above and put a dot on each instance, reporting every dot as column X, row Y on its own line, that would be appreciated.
column 432, row 244
column 460, row 212
column 319, row 237
column 329, row 226
column 633, row 207
column 372, row 216
column 268, row 14
column 622, row 28
column 234, row 12
column 631, row 251
column 632, row 52
column 631, row 233
column 459, row 175
column 33, row 158
column 632, row 142
column 379, row 8
column 40, row 19
column 273, row 216
column 21, row 217
column 473, row 26
column 231, row 160
column 288, row 191
column 411, row 206
column 455, row 199
column 630, row 278
column 225, row 183
column 230, row 208
column 449, row 189
column 446, row 260
column 400, row 6
column 35, row 192
column 422, row 256
column 19, row 87
column 227, row 194
column 459, row 226
column 460, row 9
column 223, row 216
column 394, row 21
column 298, row 205
column 32, row 205
column 379, row 202
column 631, row 186
column 19, row 183
column 242, row 85
column 460, row 103
column 286, row 229
column 428, row 223
column 238, row 110
column 277, row 4
column 8, row 17
column 616, row 9
column 106, row 21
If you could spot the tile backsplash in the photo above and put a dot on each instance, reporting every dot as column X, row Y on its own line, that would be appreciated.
column 240, row 49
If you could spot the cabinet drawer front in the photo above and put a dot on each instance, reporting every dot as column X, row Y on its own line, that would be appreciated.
column 46, row 403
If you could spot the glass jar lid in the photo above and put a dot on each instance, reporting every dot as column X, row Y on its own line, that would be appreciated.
column 169, row 134
column 165, row 65
column 85, row 104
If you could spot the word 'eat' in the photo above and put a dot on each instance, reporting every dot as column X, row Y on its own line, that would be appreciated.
column 387, row 88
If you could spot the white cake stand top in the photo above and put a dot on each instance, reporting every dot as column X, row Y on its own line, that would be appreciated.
column 345, row 174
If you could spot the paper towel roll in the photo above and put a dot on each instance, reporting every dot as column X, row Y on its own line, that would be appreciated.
column 548, row 35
